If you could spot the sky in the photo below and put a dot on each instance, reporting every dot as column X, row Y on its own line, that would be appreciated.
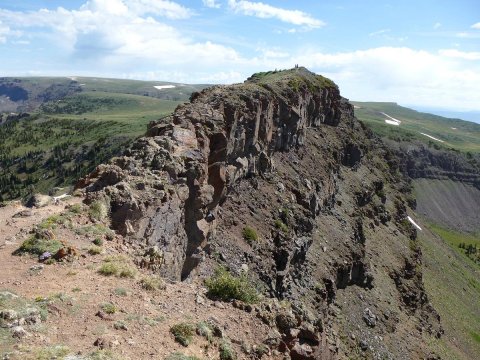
column 414, row 52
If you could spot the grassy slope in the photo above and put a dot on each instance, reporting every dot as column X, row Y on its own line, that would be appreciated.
column 70, row 137
column 452, row 282
column 465, row 136
column 130, row 112
column 181, row 92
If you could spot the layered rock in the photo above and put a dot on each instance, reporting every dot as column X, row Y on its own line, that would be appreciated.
column 166, row 190
column 284, row 155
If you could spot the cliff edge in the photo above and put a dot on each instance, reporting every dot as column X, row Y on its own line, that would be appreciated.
column 283, row 155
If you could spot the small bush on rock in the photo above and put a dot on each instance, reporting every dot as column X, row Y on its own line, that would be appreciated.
column 109, row 308
column 180, row 356
column 98, row 210
column 37, row 245
column 95, row 250
column 249, row 234
column 280, row 225
column 152, row 283
column 225, row 286
column 117, row 266
column 183, row 333
column 226, row 351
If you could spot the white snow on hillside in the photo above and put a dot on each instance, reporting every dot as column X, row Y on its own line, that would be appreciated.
column 414, row 223
column 161, row 87
column 431, row 137
column 391, row 120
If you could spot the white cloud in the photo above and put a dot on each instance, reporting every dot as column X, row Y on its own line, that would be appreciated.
column 379, row 32
column 401, row 74
column 165, row 8
column 211, row 4
column 476, row 26
column 437, row 25
column 4, row 31
column 265, row 11
column 114, row 38
column 454, row 53
column 467, row 35
column 118, row 32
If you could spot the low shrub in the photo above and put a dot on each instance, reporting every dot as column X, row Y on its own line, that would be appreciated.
column 98, row 241
column 152, row 283
column 226, row 351
column 180, row 356
column 205, row 329
column 75, row 209
column 120, row 292
column 98, row 210
column 224, row 286
column 183, row 333
column 95, row 250
column 37, row 245
column 117, row 266
column 109, row 308
column 280, row 225
column 249, row 234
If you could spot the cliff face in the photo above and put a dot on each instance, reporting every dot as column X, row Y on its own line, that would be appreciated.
column 191, row 160
column 419, row 161
column 283, row 154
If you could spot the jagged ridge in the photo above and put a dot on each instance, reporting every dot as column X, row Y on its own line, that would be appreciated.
column 233, row 156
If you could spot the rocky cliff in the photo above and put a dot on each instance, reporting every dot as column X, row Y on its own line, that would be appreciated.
column 420, row 161
column 284, row 155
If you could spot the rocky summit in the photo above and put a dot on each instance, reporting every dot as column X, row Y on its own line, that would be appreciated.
column 277, row 182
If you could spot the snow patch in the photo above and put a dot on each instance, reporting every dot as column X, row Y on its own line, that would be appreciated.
column 431, row 137
column 161, row 87
column 391, row 120
column 414, row 223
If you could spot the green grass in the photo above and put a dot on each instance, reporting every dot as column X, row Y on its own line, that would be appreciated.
column 98, row 210
column 249, row 235
column 455, row 239
column 226, row 351
column 66, row 140
column 97, row 229
column 475, row 336
column 205, row 329
column 95, row 250
column 117, row 266
column 224, row 286
column 180, row 356
column 453, row 286
column 280, row 225
column 183, row 333
column 152, row 283
column 37, row 246
column 465, row 137
column 109, row 308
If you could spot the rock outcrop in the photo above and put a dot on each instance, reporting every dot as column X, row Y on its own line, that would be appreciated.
column 282, row 154
column 166, row 190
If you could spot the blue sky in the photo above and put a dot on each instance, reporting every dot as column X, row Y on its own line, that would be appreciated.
column 419, row 53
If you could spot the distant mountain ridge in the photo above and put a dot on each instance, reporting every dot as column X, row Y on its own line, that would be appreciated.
column 26, row 94
column 417, row 126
